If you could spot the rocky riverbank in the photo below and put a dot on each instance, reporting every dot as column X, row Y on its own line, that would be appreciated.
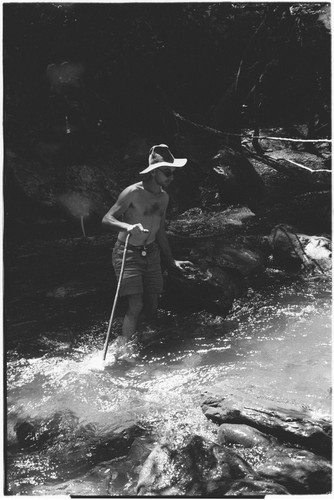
column 259, row 451
column 256, row 451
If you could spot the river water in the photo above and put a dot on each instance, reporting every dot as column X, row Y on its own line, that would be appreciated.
column 276, row 342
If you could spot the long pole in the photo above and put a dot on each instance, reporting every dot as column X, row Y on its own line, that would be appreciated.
column 105, row 349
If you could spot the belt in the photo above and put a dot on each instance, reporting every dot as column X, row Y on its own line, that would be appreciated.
column 143, row 249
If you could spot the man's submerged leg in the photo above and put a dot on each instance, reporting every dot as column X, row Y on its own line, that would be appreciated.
column 135, row 306
column 149, row 326
column 151, row 306
column 122, row 346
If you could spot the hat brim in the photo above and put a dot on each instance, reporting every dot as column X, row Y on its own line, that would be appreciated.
column 178, row 162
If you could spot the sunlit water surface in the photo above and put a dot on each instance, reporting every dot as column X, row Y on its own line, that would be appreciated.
column 275, row 343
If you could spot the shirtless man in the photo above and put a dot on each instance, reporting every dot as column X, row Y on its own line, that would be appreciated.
column 140, row 211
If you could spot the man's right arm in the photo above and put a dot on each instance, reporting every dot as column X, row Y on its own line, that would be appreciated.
column 111, row 218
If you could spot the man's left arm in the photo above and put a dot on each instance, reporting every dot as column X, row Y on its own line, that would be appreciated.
column 163, row 243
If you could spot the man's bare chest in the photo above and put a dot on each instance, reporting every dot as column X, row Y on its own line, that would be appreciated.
column 147, row 207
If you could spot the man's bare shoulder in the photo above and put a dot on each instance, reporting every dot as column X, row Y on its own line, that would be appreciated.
column 132, row 189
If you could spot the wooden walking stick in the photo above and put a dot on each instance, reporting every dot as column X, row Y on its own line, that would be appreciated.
column 105, row 349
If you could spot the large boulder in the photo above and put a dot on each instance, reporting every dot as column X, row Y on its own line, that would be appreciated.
column 273, row 440
column 199, row 468
column 197, row 224
column 63, row 431
column 296, row 470
column 212, row 289
column 245, row 261
column 225, row 264
column 242, row 434
column 300, row 471
column 282, row 423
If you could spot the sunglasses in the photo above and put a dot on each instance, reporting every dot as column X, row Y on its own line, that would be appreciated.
column 167, row 173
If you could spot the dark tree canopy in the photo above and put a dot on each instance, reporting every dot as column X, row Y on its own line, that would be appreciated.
column 204, row 60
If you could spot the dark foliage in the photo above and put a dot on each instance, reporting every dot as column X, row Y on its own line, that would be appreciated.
column 204, row 60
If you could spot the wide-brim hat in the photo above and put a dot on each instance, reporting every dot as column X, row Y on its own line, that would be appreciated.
column 160, row 156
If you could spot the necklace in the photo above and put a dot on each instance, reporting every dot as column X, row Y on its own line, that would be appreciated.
column 144, row 249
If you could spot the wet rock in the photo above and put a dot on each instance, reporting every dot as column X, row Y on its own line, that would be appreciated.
column 64, row 434
column 265, row 436
column 255, row 487
column 291, row 250
column 196, row 289
column 223, row 268
column 140, row 449
column 300, row 471
column 228, row 256
column 114, row 444
column 151, row 478
column 240, row 263
column 224, row 239
column 199, row 468
column 234, row 284
column 283, row 423
column 242, row 434
column 197, row 226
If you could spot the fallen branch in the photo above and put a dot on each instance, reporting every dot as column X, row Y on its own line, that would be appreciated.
column 289, row 139
column 272, row 162
column 224, row 134
column 304, row 167
column 276, row 162
column 202, row 127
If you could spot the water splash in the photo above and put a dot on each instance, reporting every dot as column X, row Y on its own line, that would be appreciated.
column 83, row 226
column 78, row 205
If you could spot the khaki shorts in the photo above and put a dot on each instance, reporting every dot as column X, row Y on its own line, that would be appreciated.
column 142, row 274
